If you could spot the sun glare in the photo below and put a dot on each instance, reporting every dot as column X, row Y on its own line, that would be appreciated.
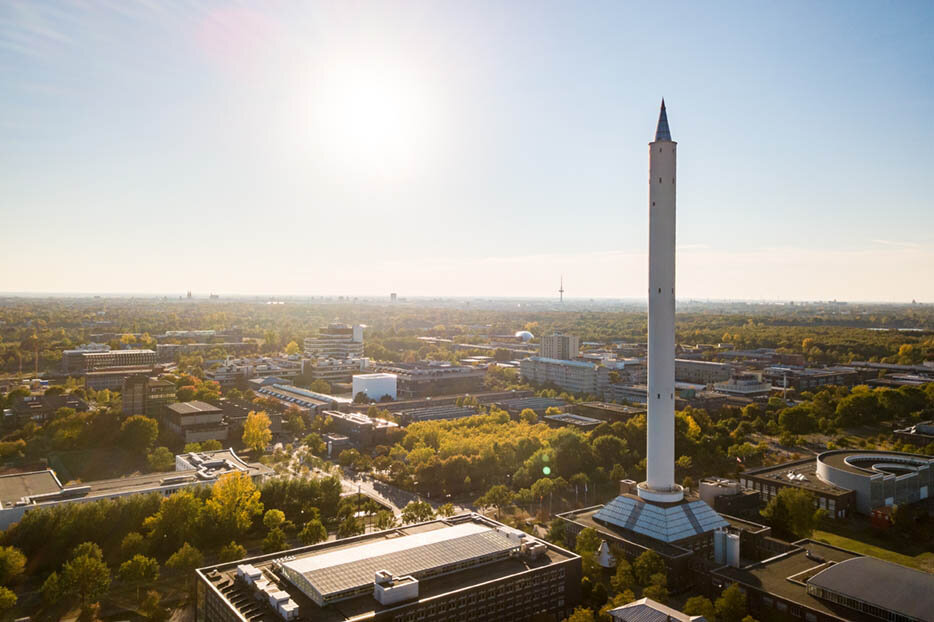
column 376, row 120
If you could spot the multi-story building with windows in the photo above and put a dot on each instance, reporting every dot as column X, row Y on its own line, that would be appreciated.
column 574, row 376
column 414, row 380
column 701, row 372
column 73, row 360
column 239, row 370
column 465, row 567
column 337, row 341
column 196, row 422
column 564, row 347
column 96, row 360
column 333, row 371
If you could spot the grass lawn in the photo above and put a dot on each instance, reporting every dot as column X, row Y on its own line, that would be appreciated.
column 920, row 559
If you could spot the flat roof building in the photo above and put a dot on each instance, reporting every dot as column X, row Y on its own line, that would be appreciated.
column 608, row 411
column 435, row 413
column 464, row 567
column 575, row 421
column 21, row 492
column 415, row 380
column 336, row 340
column 648, row 610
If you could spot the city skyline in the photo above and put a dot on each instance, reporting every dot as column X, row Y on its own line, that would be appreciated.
column 446, row 151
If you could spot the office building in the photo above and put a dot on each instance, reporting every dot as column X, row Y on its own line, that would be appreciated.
column 609, row 412
column 462, row 568
column 309, row 401
column 333, row 371
column 415, row 380
column 362, row 430
column 808, row 379
column 337, row 341
column 73, row 360
column 111, row 360
column 701, row 372
column 561, row 420
column 745, row 385
column 434, row 413
column 236, row 371
column 564, row 347
column 376, row 387
column 648, row 610
column 572, row 376
column 196, row 422
column 169, row 352
column 816, row 582
column 540, row 405
column 22, row 492
column 133, row 395
column 844, row 481
column 920, row 434
column 41, row 408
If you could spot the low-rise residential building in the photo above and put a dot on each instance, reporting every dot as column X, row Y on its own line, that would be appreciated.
column 22, row 492
column 465, row 567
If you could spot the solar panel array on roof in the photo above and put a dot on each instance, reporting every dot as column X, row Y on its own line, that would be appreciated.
column 668, row 524
column 337, row 572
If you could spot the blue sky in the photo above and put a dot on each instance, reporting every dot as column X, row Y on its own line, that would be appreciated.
column 470, row 148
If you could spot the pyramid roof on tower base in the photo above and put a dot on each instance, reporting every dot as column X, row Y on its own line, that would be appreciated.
column 665, row 522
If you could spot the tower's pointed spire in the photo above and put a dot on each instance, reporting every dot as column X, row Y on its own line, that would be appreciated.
column 662, row 132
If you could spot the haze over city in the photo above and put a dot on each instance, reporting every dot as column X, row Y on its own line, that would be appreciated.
column 471, row 149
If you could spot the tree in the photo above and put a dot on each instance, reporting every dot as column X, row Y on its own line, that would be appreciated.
column 313, row 532
column 138, row 569
column 211, row 445
column 185, row 394
column 234, row 502
column 274, row 540
column 152, row 607
column 273, row 519
column 85, row 577
column 185, row 559
column 446, row 510
column 623, row 579
column 177, row 521
column 385, row 519
column 646, row 565
column 792, row 511
column 139, row 433
column 350, row 526
column 731, row 605
column 256, row 433
column 658, row 588
column 499, row 497
column 231, row 552
column 292, row 348
column 581, row 615
column 588, row 540
column 417, row 512
column 321, row 386
column 12, row 562
column 7, row 599
column 161, row 459
column 528, row 416
column 700, row 606
column 51, row 589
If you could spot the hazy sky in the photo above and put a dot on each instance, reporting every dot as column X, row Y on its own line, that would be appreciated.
column 470, row 148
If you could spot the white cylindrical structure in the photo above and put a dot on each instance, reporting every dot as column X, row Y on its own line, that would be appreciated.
column 660, row 446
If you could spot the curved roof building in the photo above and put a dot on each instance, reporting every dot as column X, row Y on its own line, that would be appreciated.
column 879, row 478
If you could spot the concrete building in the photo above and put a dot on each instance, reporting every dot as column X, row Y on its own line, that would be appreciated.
column 462, row 568
column 41, row 408
column 607, row 411
column 362, row 430
column 564, row 347
column 844, row 481
column 169, row 352
column 808, row 379
column 435, row 413
column 584, row 424
column 236, row 371
column 648, row 610
column 415, row 380
column 133, row 395
column 333, row 371
column 309, row 401
column 572, row 376
column 73, row 360
column 22, row 492
column 745, row 385
column 113, row 378
column 375, row 386
column 196, row 422
column 920, row 434
column 111, row 360
column 515, row 405
column 337, row 341
column 145, row 395
column 701, row 372
column 816, row 582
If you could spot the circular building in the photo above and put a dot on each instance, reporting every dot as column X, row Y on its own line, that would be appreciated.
column 879, row 478
column 524, row 336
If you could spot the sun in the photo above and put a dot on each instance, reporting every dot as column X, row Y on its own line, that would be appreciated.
column 374, row 120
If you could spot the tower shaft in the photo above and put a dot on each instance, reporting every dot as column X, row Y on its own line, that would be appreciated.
column 660, row 447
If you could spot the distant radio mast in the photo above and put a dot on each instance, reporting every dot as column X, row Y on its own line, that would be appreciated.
column 561, row 290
